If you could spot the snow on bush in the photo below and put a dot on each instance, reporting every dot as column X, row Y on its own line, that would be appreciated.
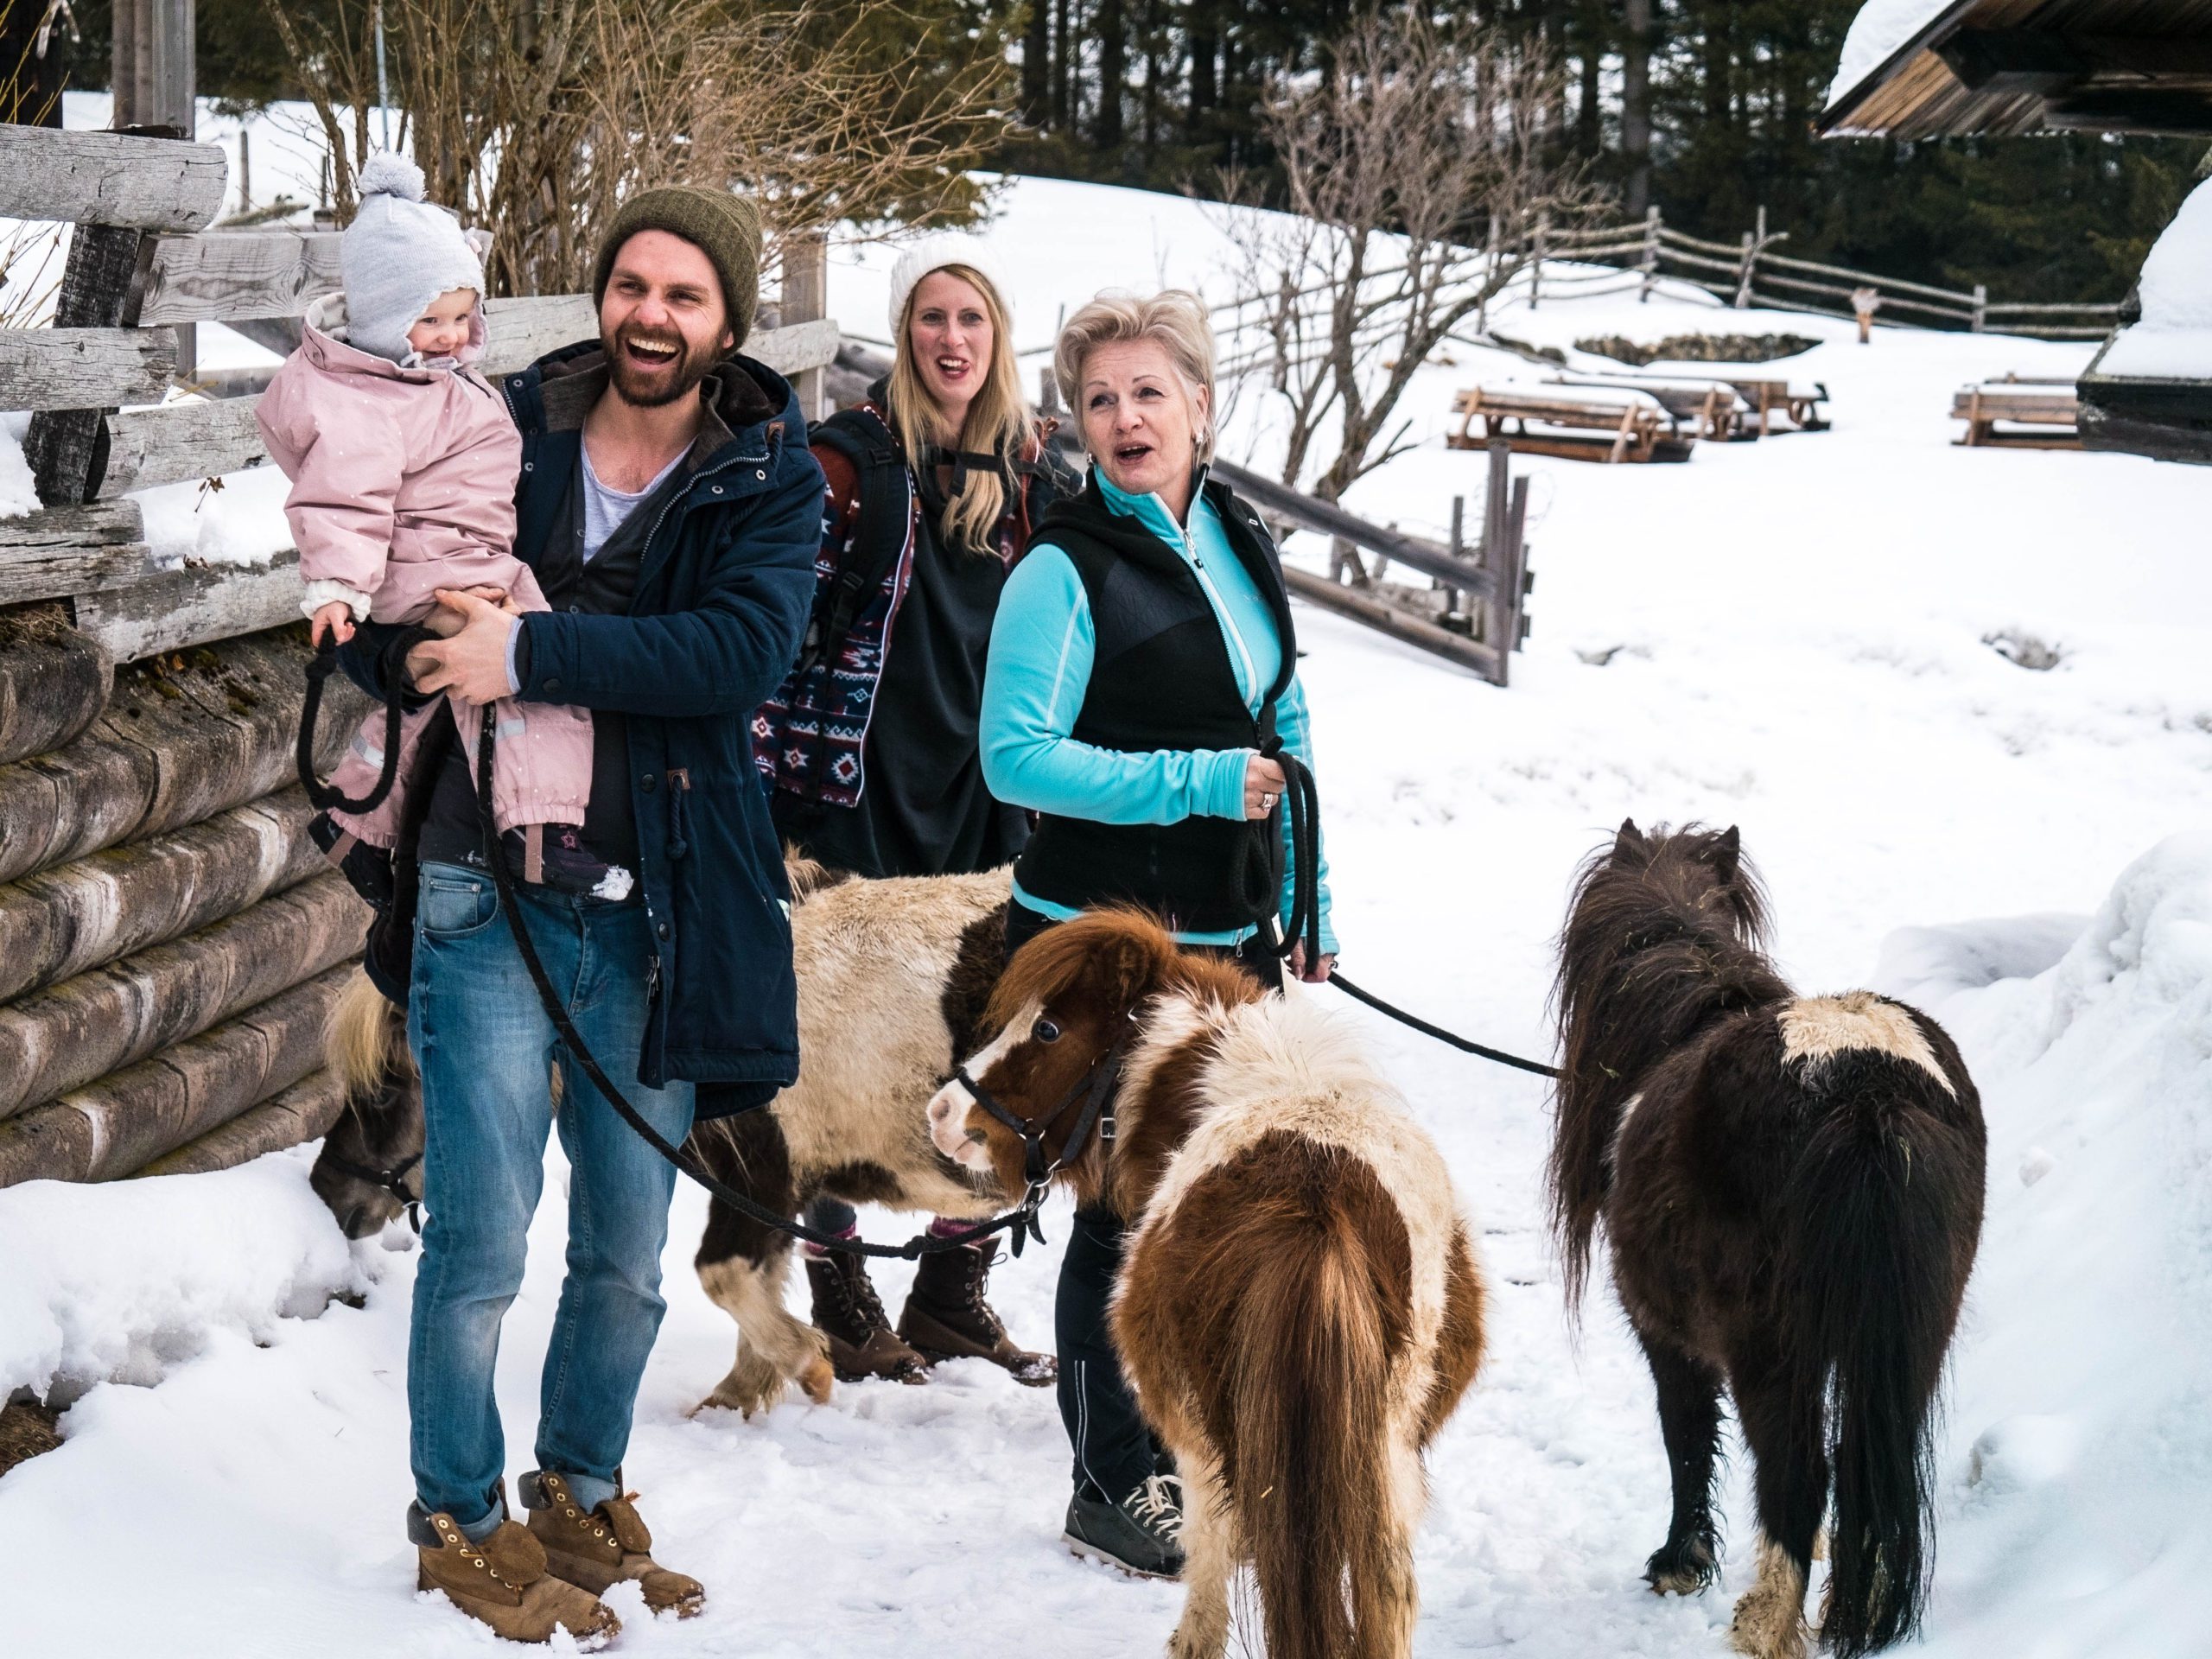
column 121, row 1281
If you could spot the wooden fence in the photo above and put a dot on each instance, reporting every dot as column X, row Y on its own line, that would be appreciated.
column 1750, row 272
column 170, row 941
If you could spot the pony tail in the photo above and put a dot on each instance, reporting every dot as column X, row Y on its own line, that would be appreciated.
column 1874, row 1208
column 1311, row 1404
column 359, row 1040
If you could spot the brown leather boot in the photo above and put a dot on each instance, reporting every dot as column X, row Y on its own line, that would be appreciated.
column 503, row 1583
column 946, row 1317
column 847, row 1310
column 604, row 1546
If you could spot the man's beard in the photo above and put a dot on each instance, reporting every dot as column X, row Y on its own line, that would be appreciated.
column 690, row 367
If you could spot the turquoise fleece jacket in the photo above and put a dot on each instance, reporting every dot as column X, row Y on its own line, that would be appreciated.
column 1042, row 647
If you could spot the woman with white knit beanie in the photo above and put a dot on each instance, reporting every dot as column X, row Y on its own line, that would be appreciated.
column 935, row 481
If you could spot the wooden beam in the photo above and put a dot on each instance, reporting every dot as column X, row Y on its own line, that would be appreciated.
column 105, row 178
column 54, row 682
column 1281, row 502
column 224, row 275
column 177, row 744
column 84, row 368
column 76, row 1032
column 81, row 915
column 302, row 1113
column 67, row 550
column 119, row 1125
column 1387, row 618
column 194, row 605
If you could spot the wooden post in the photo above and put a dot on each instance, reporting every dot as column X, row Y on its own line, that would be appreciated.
column 1048, row 391
column 1981, row 306
column 1536, row 269
column 245, row 170
column 1456, row 599
column 1497, row 613
column 154, row 73
column 1649, row 263
column 1751, row 244
column 806, row 296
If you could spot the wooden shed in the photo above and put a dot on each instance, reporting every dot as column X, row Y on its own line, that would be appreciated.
column 1953, row 68
column 170, row 941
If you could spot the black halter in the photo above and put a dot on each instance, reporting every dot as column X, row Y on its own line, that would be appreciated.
column 392, row 1180
column 1096, row 1089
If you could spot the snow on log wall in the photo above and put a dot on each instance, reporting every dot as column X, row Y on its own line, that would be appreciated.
column 170, row 942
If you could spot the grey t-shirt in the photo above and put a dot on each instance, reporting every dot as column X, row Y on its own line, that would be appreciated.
column 605, row 509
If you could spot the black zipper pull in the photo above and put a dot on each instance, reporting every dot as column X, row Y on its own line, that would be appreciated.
column 679, row 791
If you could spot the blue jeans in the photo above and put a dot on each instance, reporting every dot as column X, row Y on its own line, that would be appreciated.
column 485, row 1048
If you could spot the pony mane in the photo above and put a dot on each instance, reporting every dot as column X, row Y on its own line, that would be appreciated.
column 1664, row 936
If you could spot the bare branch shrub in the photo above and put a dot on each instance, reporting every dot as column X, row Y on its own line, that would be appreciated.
column 1418, row 162
column 535, row 118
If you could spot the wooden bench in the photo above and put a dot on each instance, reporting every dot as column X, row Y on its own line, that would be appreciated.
column 1793, row 401
column 1711, row 409
column 2048, row 406
column 1632, row 426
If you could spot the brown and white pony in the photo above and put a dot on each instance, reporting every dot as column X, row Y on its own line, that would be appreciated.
column 1298, row 1310
column 1792, row 1190
column 893, row 980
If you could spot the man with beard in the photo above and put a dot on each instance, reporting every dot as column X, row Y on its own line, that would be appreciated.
column 670, row 511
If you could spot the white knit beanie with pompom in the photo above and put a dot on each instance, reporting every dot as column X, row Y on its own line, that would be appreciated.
column 934, row 252
column 399, row 254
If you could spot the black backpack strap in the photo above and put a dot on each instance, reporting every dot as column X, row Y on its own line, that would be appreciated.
column 885, row 513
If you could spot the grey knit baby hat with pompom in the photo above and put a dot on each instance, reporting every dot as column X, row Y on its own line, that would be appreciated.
column 399, row 254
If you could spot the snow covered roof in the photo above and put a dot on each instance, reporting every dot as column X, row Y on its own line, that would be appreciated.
column 1935, row 68
column 2173, row 339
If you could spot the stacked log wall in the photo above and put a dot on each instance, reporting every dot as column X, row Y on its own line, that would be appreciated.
column 171, row 942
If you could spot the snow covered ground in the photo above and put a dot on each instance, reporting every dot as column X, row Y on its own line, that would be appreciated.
column 1794, row 633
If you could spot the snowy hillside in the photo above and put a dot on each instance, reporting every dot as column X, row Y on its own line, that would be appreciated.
column 1786, row 635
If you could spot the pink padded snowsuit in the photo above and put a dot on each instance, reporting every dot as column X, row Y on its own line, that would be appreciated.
column 402, row 483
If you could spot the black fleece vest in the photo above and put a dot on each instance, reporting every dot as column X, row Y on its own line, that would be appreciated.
column 1161, row 678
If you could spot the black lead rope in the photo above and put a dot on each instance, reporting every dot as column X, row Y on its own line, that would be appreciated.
column 1020, row 1224
column 392, row 1181
column 320, row 795
column 1302, row 800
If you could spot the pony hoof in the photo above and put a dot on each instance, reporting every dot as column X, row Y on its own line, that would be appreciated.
column 818, row 1378
column 1681, row 1572
column 745, row 1399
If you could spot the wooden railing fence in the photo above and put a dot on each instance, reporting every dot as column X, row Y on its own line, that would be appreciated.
column 171, row 942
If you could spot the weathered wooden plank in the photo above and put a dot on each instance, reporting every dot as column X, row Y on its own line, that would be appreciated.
column 194, row 438
column 105, row 178
column 205, row 439
column 84, row 368
column 302, row 1113
column 1281, row 502
column 102, row 524
column 175, row 745
column 1386, row 618
column 55, row 572
column 169, row 610
column 76, row 1032
column 54, row 682
column 225, row 274
column 119, row 1125
column 83, row 915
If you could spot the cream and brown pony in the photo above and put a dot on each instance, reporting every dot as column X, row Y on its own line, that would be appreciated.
column 1299, row 1309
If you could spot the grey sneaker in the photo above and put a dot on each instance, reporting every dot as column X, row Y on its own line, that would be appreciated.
column 1141, row 1534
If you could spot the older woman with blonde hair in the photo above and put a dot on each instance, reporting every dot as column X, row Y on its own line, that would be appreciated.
column 934, row 484
column 1142, row 673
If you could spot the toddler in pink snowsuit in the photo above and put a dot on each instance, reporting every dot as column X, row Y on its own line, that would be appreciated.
column 403, row 461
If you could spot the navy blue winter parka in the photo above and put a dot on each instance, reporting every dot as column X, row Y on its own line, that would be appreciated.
column 723, row 587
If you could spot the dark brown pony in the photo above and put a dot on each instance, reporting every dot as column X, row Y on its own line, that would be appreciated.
column 1299, row 1309
column 1792, row 1190
column 370, row 1168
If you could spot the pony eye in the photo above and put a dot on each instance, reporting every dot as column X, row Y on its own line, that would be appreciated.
column 1046, row 1031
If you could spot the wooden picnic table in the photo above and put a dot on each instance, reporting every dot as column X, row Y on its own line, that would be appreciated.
column 1629, row 426
column 1712, row 409
column 2051, row 406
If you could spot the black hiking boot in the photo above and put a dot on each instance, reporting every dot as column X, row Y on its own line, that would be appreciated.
column 946, row 1317
column 565, row 862
column 1142, row 1535
column 847, row 1310
column 367, row 869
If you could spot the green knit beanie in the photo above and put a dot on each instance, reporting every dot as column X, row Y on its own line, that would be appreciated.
column 724, row 228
